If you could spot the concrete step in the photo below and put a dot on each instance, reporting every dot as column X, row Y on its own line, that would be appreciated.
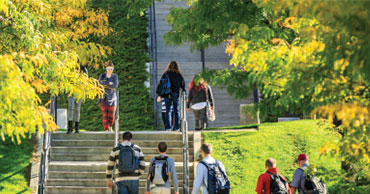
column 191, row 65
column 89, row 150
column 94, row 143
column 94, row 182
column 93, row 175
column 137, row 136
column 96, row 166
column 89, row 190
column 103, row 157
column 218, row 59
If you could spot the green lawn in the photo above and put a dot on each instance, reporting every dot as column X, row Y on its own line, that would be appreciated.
column 15, row 161
column 244, row 153
column 249, row 126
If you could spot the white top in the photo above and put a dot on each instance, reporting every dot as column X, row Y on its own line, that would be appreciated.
column 202, row 175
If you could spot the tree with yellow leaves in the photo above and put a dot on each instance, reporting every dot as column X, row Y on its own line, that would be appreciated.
column 43, row 43
column 305, row 55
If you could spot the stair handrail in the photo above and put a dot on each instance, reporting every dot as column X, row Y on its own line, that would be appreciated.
column 185, row 143
column 116, row 140
column 45, row 152
column 153, row 54
column 116, row 122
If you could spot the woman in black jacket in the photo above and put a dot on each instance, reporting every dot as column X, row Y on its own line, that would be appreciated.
column 177, row 81
column 200, row 95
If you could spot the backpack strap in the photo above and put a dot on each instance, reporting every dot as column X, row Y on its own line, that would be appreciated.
column 121, row 146
column 204, row 163
column 221, row 170
column 299, row 186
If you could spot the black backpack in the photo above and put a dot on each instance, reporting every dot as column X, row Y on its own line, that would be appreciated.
column 217, row 181
column 128, row 159
column 164, row 87
column 277, row 184
column 313, row 185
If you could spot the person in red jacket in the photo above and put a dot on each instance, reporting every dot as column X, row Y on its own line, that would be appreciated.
column 271, row 181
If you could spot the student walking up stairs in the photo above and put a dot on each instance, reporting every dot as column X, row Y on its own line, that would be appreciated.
column 79, row 161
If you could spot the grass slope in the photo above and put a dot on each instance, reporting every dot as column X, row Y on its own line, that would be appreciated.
column 15, row 161
column 244, row 153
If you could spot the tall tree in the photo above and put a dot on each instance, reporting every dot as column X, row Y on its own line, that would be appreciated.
column 303, row 55
column 43, row 43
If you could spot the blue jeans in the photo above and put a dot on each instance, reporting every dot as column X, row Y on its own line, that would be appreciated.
column 175, row 102
column 128, row 187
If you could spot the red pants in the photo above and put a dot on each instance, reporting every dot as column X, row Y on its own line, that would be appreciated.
column 108, row 115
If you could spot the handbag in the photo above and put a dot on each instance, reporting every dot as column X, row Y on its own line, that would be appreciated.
column 211, row 116
column 199, row 105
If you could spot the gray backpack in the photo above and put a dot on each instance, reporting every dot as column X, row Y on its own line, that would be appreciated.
column 159, row 171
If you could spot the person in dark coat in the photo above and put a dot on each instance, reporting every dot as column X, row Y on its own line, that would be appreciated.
column 199, row 96
column 108, row 103
column 177, row 81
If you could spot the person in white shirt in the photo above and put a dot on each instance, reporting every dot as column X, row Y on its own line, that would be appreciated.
column 202, row 171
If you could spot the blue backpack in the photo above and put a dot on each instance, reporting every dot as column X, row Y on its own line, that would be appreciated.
column 218, row 182
column 128, row 159
column 164, row 87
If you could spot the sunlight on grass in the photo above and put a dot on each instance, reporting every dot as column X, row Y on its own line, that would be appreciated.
column 244, row 153
column 15, row 161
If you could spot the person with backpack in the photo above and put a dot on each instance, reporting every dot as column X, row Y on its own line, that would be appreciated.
column 200, row 97
column 298, row 176
column 74, row 107
column 108, row 103
column 161, row 169
column 305, row 182
column 210, row 174
column 272, row 182
column 169, row 88
column 129, row 159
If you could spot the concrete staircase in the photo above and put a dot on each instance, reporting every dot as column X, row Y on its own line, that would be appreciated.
column 78, row 161
column 227, row 108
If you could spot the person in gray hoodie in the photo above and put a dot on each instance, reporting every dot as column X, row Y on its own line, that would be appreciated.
column 161, row 169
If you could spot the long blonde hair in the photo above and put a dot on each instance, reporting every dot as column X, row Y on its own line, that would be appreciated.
column 173, row 66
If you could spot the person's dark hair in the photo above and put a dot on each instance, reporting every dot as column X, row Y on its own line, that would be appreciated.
column 173, row 66
column 162, row 147
column 127, row 136
column 271, row 163
column 206, row 148
column 110, row 64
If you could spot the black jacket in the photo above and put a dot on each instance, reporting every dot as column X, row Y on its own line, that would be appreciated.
column 196, row 96
column 177, row 81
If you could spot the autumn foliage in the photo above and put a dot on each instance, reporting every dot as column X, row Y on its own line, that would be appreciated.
column 303, row 55
column 43, row 43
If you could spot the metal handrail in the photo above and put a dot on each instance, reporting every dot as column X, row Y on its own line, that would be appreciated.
column 116, row 122
column 154, row 56
column 116, row 140
column 185, row 143
column 45, row 154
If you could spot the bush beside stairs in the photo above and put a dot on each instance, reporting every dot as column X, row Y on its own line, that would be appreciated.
column 78, row 161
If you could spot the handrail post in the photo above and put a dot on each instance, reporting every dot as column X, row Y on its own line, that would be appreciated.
column 116, row 137
column 185, row 139
column 45, row 154
column 116, row 123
